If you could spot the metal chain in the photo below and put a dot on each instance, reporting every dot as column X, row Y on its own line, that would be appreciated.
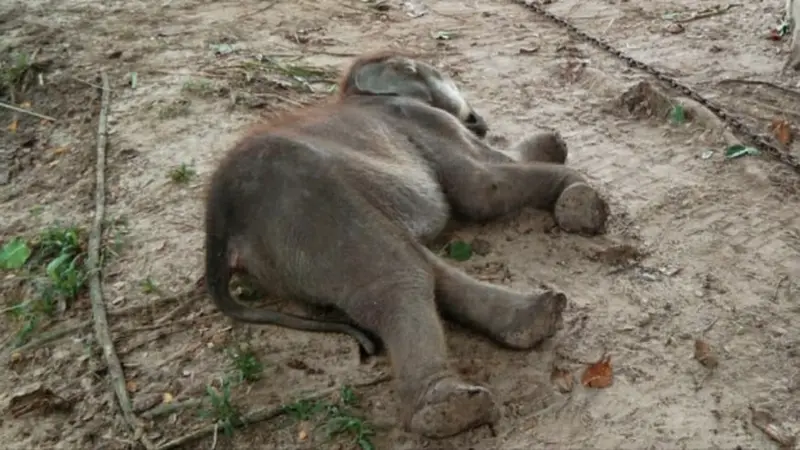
column 752, row 138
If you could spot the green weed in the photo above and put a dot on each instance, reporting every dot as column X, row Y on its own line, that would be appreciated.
column 245, row 364
column 337, row 418
column 54, row 265
column 182, row 174
column 222, row 411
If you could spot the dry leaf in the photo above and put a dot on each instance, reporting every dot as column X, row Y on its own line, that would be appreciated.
column 131, row 386
column 704, row 355
column 562, row 379
column 769, row 426
column 36, row 397
column 599, row 375
column 302, row 433
column 26, row 105
column 782, row 131
column 13, row 127
column 59, row 150
column 167, row 397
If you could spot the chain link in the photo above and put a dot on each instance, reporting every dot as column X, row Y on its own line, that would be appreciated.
column 738, row 126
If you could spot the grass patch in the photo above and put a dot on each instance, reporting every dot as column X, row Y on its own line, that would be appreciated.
column 182, row 174
column 53, row 269
column 336, row 420
column 149, row 286
column 245, row 364
column 221, row 410
column 14, row 69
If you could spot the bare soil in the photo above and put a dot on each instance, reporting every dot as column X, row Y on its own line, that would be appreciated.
column 700, row 247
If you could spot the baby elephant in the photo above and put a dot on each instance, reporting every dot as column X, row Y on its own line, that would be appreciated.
column 334, row 205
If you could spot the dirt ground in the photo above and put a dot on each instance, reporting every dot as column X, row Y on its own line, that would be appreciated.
column 700, row 247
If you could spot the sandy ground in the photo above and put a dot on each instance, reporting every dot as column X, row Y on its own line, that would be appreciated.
column 699, row 247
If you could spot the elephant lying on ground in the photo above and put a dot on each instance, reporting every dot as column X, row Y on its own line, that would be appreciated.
column 333, row 205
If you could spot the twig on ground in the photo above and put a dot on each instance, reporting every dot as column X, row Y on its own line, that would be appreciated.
column 258, row 11
column 708, row 13
column 760, row 83
column 169, row 408
column 52, row 336
column 27, row 111
column 102, row 332
column 262, row 414
column 84, row 82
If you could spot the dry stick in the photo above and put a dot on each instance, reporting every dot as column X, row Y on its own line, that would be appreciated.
column 261, row 415
column 27, row 111
column 760, row 83
column 95, row 288
column 55, row 335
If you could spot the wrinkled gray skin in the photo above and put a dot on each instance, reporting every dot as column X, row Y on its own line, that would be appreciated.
column 334, row 209
column 793, row 13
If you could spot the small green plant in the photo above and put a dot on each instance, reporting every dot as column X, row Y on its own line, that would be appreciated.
column 338, row 419
column 149, row 286
column 14, row 254
column 182, row 174
column 245, row 364
column 677, row 114
column 54, row 265
column 12, row 73
column 222, row 410
column 459, row 250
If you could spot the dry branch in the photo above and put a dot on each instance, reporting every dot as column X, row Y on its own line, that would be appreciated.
column 26, row 111
column 261, row 415
column 52, row 336
column 101, row 329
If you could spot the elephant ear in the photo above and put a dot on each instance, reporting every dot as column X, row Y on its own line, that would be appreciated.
column 394, row 76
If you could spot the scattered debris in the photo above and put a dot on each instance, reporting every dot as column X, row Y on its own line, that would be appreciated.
column 704, row 355
column 414, row 9
column 562, row 379
column 599, row 375
column 707, row 154
column 481, row 247
column 739, row 150
column 674, row 28
column 444, row 35
column 528, row 50
column 764, row 421
column 221, row 49
column 618, row 255
column 701, row 14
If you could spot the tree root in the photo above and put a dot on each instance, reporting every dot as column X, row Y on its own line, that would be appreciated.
column 102, row 333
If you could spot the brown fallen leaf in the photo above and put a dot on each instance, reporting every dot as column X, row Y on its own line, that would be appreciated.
column 167, row 398
column 12, row 128
column 36, row 397
column 782, row 131
column 599, row 375
column 764, row 421
column 131, row 386
column 302, row 433
column 704, row 355
column 562, row 379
